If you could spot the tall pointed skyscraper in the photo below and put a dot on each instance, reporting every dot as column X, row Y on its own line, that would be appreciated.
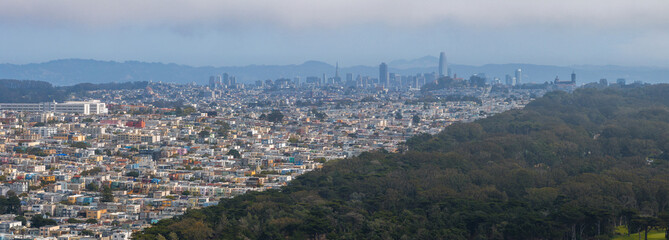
column 384, row 77
column 337, row 78
column 443, row 65
column 337, row 70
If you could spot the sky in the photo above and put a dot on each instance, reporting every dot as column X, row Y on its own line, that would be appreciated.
column 351, row 32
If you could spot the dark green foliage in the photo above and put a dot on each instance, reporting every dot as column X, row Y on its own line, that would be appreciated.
column 80, row 145
column 34, row 151
column 398, row 115
column 568, row 166
column 275, row 116
column 93, row 187
column 91, row 172
column 107, row 194
column 477, row 81
column 108, row 86
column 74, row 220
column 415, row 119
column 184, row 111
column 319, row 115
column 224, row 129
column 28, row 91
column 234, row 153
column 132, row 174
column 38, row 221
column 16, row 91
column 23, row 219
column 204, row 134
column 10, row 204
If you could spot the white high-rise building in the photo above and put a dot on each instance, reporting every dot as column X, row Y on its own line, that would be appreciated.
column 519, row 77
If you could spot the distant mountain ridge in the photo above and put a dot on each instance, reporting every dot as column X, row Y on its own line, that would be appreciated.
column 74, row 71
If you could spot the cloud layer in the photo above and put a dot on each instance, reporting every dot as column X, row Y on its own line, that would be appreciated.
column 301, row 14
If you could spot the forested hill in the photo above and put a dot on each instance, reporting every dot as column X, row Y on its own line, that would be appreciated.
column 567, row 166
column 30, row 91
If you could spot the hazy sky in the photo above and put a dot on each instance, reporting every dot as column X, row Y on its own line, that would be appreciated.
column 353, row 32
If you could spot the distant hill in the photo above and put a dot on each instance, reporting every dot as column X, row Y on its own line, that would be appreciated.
column 30, row 91
column 73, row 71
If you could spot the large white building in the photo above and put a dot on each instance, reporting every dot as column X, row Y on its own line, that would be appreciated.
column 80, row 107
column 44, row 132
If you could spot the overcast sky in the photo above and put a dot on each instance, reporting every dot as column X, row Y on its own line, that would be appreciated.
column 353, row 32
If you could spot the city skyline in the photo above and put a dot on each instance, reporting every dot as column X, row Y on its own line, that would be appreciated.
column 334, row 119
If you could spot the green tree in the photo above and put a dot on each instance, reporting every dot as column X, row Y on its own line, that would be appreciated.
column 134, row 174
column 93, row 187
column 83, row 145
column 234, row 153
column 22, row 219
column 275, row 116
column 415, row 119
column 107, row 194
column 663, row 218
column 74, row 220
column 204, row 134
column 38, row 221
column 319, row 115
column 224, row 129
column 11, row 204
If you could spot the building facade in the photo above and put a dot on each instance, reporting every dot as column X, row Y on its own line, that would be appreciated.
column 78, row 107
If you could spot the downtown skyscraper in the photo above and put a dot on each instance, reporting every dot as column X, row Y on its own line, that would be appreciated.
column 443, row 65
column 384, row 76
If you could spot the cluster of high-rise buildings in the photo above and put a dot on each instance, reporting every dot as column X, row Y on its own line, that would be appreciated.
column 516, row 79
column 386, row 79
column 222, row 81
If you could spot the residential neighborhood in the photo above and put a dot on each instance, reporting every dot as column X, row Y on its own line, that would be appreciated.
column 148, row 154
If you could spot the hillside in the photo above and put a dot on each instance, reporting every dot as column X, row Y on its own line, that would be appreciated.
column 73, row 71
column 29, row 91
column 567, row 166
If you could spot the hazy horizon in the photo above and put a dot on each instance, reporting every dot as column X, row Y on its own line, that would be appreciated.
column 435, row 64
column 264, row 32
